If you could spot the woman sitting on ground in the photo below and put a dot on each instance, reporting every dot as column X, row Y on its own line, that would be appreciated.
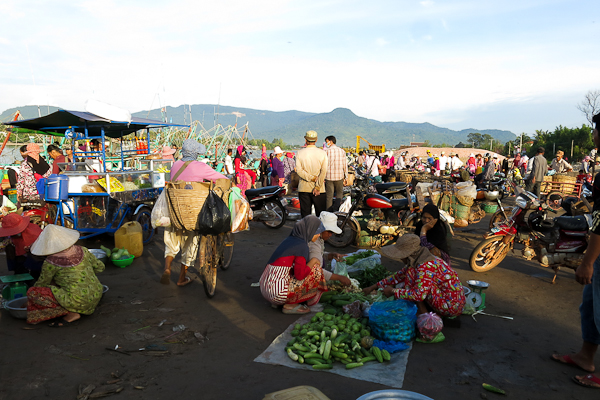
column 428, row 281
column 433, row 233
column 290, row 278
column 68, row 286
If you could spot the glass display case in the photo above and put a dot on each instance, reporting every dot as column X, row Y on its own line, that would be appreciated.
column 161, row 171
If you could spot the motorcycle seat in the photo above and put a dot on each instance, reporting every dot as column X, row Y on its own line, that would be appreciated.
column 382, row 187
column 577, row 223
column 399, row 203
column 251, row 193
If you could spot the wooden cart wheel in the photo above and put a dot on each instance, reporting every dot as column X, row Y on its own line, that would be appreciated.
column 554, row 200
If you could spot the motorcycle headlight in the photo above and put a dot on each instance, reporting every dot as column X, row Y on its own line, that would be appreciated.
column 521, row 202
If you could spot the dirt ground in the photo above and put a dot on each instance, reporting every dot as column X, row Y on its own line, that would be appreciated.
column 213, row 357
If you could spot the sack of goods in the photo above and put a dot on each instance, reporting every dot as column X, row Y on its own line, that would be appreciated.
column 393, row 320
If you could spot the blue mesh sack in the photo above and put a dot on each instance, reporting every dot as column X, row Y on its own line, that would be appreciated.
column 393, row 320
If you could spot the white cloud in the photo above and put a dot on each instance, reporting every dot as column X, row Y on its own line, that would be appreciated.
column 380, row 42
column 427, row 3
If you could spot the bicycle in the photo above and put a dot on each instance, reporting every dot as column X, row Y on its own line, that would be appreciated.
column 215, row 251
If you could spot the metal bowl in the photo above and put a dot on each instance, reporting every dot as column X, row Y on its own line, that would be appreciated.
column 478, row 284
column 17, row 307
column 99, row 254
column 467, row 290
column 492, row 195
column 104, row 289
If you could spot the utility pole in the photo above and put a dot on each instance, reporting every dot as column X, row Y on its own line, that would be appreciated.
column 572, row 150
column 521, row 145
column 491, row 140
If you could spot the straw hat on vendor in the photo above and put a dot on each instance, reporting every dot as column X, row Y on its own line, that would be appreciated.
column 68, row 286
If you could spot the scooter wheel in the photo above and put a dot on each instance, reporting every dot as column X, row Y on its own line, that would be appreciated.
column 488, row 254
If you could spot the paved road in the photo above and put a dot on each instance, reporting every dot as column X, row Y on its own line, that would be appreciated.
column 45, row 363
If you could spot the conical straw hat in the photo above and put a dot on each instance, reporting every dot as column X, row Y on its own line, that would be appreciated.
column 54, row 239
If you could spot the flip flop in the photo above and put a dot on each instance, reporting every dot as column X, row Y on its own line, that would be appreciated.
column 567, row 360
column 437, row 339
column 56, row 324
column 299, row 309
column 165, row 279
column 590, row 378
column 187, row 281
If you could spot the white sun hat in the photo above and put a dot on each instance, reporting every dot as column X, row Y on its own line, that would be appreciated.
column 54, row 239
column 329, row 220
column 277, row 150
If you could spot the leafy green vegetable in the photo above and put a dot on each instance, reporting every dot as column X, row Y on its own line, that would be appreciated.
column 359, row 256
column 373, row 275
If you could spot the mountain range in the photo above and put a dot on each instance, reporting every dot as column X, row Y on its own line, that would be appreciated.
column 290, row 126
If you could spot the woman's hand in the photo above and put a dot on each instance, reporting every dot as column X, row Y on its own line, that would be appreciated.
column 388, row 291
column 429, row 225
column 336, row 256
column 344, row 280
column 369, row 289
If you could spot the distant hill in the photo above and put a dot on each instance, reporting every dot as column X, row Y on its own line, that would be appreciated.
column 290, row 126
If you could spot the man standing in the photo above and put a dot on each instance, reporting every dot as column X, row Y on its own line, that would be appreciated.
column 524, row 163
column 229, row 164
column 455, row 163
column 360, row 160
column 443, row 160
column 559, row 164
column 539, row 169
column 373, row 163
column 337, row 171
column 311, row 167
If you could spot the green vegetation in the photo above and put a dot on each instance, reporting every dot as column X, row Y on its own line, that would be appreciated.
column 560, row 139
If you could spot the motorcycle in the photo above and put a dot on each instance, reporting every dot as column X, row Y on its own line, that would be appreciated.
column 389, row 216
column 266, row 206
column 555, row 242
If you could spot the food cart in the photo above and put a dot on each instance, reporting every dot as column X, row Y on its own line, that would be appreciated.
column 90, row 196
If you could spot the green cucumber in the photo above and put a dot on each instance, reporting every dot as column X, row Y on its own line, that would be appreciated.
column 322, row 366
column 354, row 365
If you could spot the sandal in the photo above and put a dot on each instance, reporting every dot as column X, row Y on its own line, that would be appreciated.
column 299, row 309
column 567, row 360
column 187, row 281
column 594, row 381
column 165, row 279
column 61, row 323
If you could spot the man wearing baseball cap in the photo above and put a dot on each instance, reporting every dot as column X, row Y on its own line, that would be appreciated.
column 311, row 167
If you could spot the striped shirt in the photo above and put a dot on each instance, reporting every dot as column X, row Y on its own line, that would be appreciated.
column 337, row 165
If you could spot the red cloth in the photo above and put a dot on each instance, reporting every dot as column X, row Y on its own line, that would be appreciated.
column 42, row 305
column 59, row 159
column 23, row 242
column 238, row 169
column 301, row 270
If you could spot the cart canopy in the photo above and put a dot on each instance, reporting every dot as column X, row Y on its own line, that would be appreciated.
column 59, row 121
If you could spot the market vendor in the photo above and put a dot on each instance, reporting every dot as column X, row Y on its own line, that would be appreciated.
column 317, row 248
column 291, row 277
column 68, row 286
column 180, row 240
column 428, row 281
column 20, row 235
column 33, row 168
column 245, row 178
column 57, row 157
column 433, row 233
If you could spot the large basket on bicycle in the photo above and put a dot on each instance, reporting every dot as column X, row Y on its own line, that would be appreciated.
column 185, row 201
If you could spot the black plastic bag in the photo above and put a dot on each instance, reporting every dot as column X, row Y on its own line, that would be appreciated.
column 214, row 217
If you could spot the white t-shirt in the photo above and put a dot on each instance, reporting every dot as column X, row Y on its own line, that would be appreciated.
column 443, row 160
column 455, row 163
column 373, row 163
column 228, row 165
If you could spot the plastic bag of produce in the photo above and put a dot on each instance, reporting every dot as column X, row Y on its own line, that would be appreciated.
column 160, row 213
column 393, row 320
column 361, row 260
column 339, row 268
column 214, row 217
column 391, row 346
column 240, row 211
column 429, row 325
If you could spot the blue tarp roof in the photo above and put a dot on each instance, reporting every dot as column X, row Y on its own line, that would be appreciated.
column 59, row 121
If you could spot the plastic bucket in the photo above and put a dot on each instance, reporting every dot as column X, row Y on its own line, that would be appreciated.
column 490, row 208
column 461, row 212
column 57, row 188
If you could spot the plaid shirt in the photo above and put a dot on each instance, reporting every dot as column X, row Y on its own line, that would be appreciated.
column 337, row 165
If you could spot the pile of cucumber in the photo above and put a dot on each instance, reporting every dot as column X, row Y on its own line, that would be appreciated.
column 342, row 299
column 333, row 336
column 116, row 254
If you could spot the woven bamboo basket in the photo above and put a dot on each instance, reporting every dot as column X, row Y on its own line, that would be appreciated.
column 405, row 176
column 563, row 183
column 185, row 204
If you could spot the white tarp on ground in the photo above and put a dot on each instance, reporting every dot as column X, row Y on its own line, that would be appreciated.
column 390, row 373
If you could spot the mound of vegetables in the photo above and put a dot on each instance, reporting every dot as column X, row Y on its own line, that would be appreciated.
column 370, row 276
column 330, row 337
column 116, row 254
column 358, row 256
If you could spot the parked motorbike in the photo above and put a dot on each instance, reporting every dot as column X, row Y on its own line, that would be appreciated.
column 388, row 216
column 555, row 242
column 266, row 206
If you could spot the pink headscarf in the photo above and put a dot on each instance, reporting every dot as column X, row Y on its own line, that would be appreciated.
column 33, row 151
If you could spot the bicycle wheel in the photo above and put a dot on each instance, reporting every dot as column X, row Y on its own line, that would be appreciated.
column 143, row 216
column 209, row 260
column 226, row 249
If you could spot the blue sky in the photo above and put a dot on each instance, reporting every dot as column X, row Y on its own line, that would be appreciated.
column 515, row 65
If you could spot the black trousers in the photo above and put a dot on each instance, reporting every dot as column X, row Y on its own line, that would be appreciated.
column 307, row 200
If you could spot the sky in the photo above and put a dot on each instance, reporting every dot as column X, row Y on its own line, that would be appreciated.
column 517, row 65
